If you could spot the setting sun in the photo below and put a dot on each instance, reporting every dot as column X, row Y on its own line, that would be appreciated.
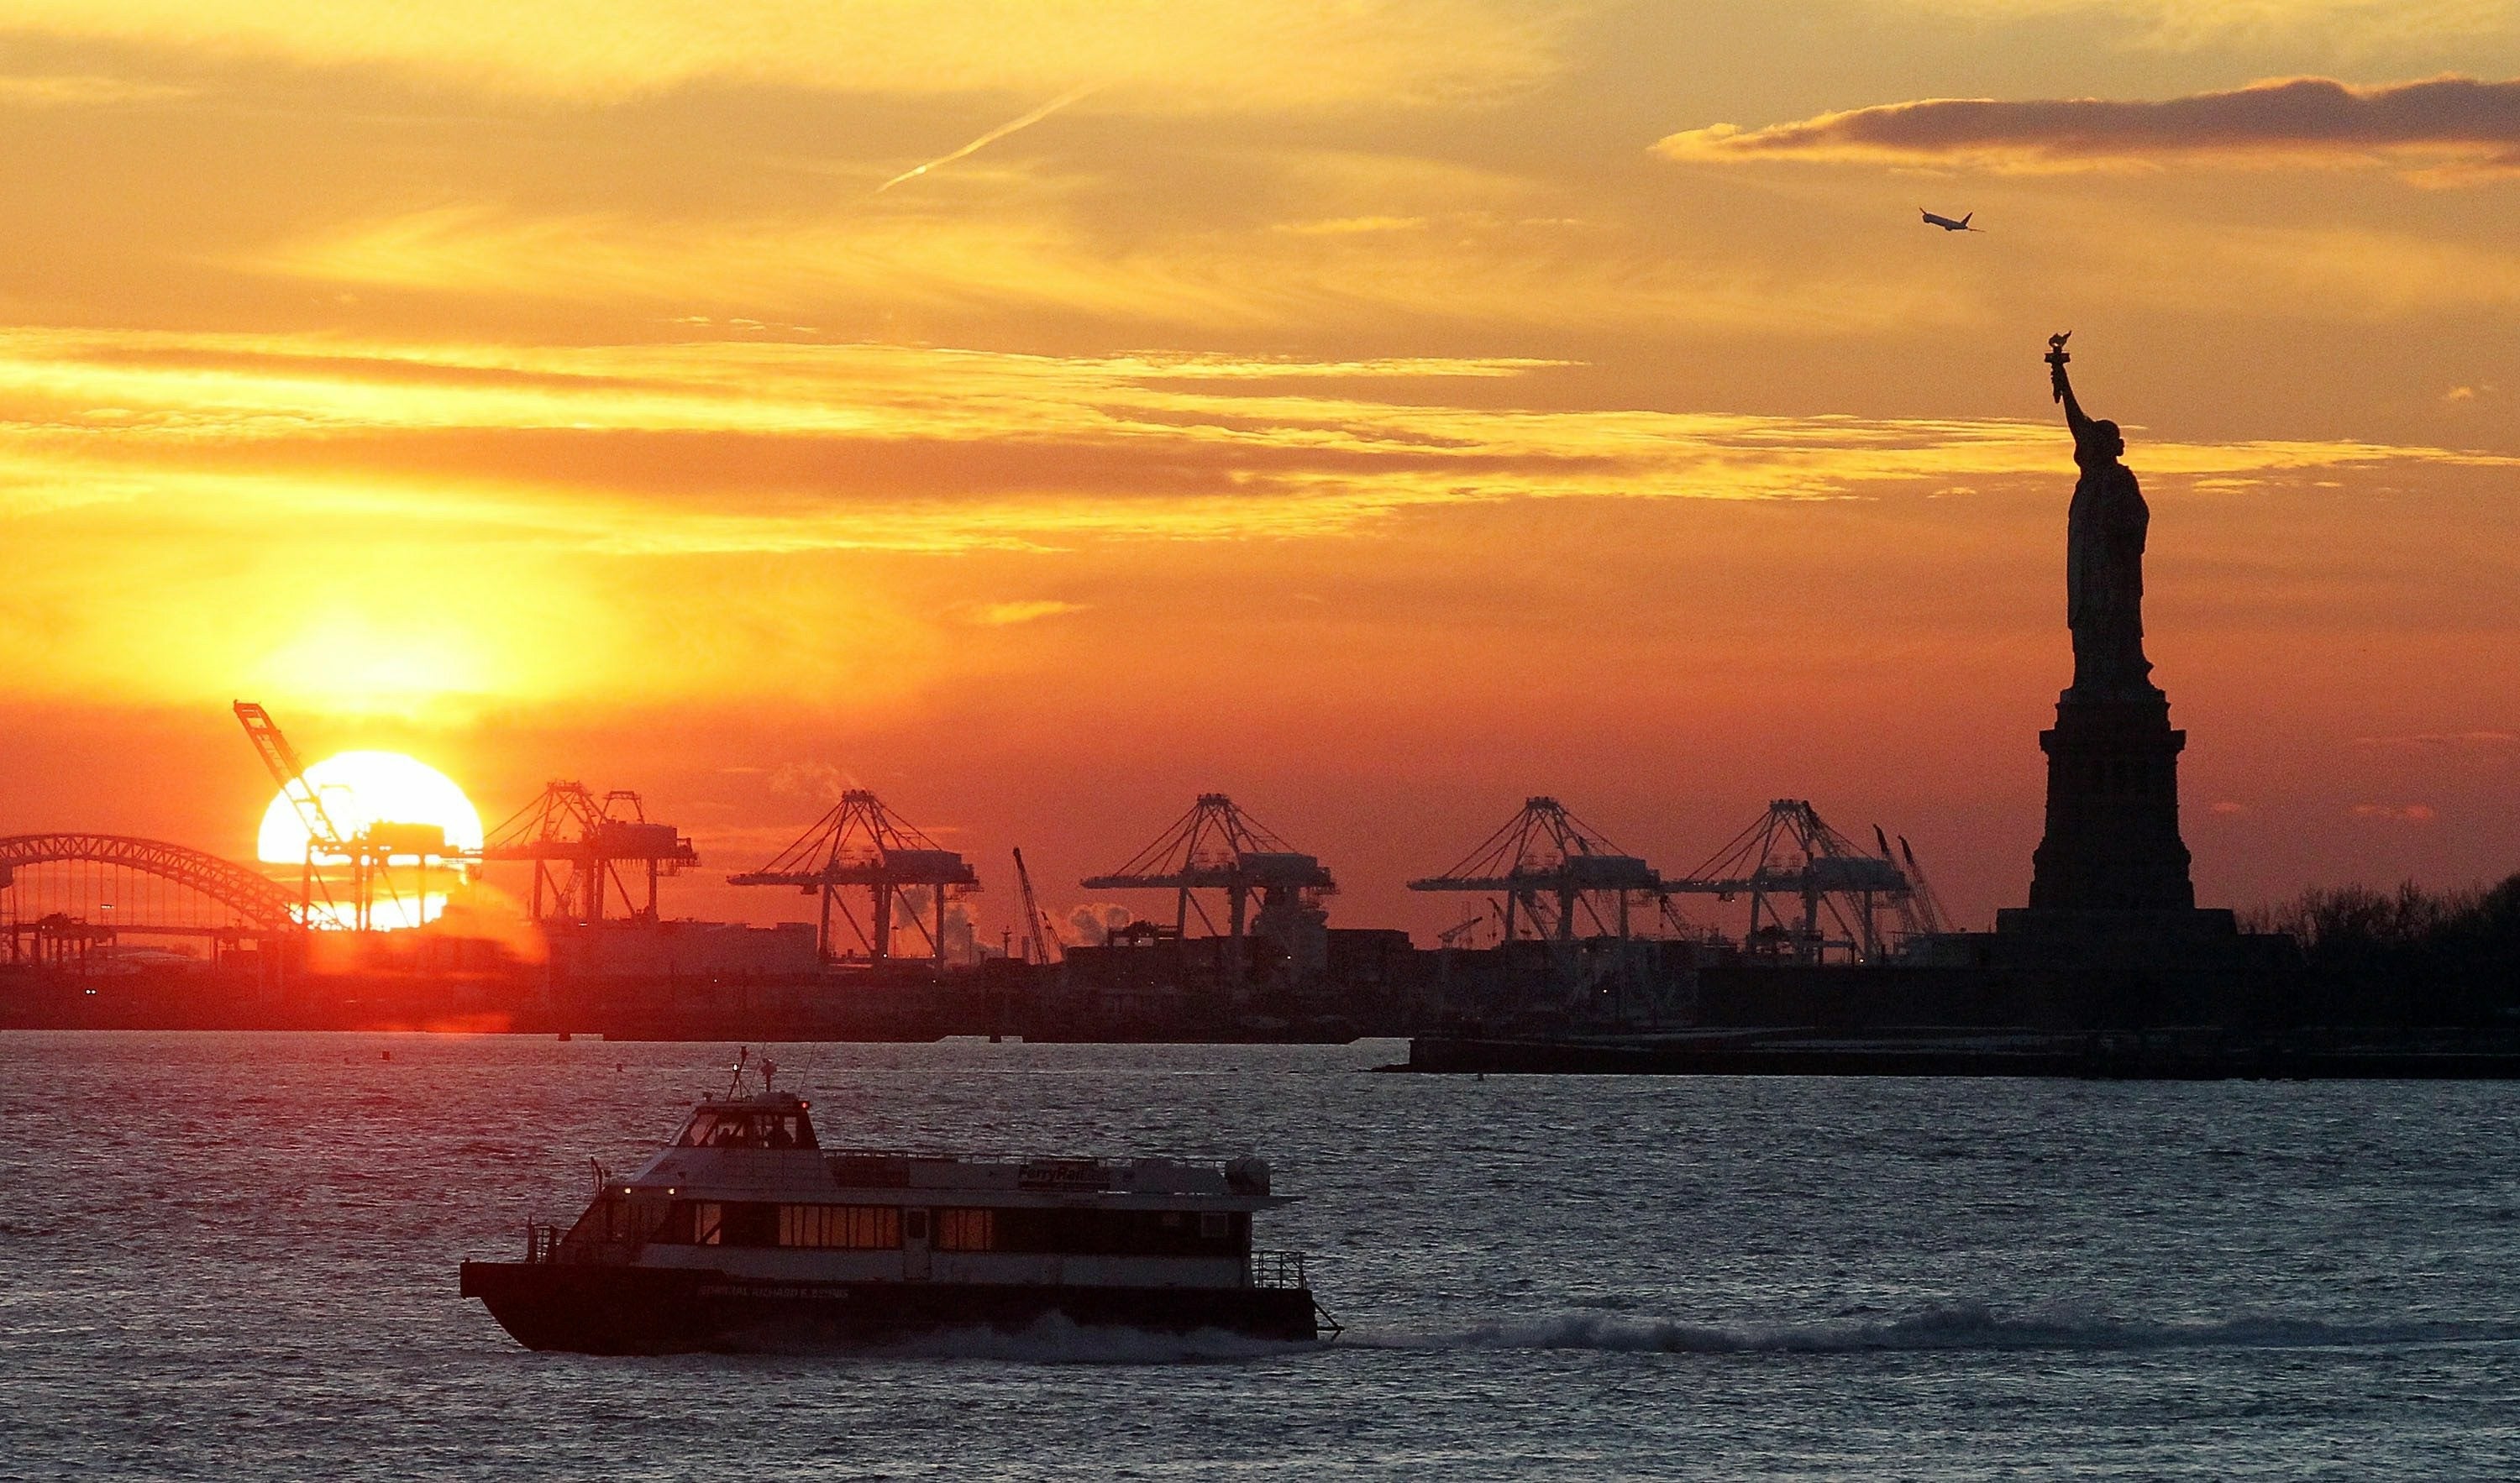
column 364, row 788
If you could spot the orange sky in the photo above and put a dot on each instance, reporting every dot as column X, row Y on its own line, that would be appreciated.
column 1377, row 411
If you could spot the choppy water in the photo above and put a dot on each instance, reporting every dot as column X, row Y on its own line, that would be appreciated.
column 234, row 1256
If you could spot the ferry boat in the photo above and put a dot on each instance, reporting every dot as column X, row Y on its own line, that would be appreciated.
column 745, row 1229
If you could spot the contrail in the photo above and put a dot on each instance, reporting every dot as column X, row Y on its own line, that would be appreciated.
column 991, row 137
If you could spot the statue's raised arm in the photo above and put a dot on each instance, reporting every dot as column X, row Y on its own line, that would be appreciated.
column 2064, row 387
column 2096, row 441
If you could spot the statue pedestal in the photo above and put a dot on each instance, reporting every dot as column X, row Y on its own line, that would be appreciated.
column 2112, row 842
column 2113, row 938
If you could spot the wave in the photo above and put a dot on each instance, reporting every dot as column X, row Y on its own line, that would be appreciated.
column 1944, row 1327
column 1947, row 1327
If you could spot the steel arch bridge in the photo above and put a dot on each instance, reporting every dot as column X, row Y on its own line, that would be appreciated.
column 256, row 900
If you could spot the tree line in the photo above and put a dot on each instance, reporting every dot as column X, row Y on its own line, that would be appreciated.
column 2407, row 957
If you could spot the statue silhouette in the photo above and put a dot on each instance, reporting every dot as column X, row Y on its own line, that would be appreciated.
column 2104, row 534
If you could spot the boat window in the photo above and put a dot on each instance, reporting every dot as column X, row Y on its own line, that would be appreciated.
column 1118, row 1232
column 609, row 1219
column 861, row 1171
column 719, row 1130
column 967, row 1230
column 914, row 1225
column 862, row 1228
column 707, row 1222
column 729, row 1129
column 622, row 1221
column 750, row 1224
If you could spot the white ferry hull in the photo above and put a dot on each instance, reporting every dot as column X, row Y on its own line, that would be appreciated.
column 607, row 1309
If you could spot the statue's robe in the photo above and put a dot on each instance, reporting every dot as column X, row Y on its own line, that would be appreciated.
column 2104, row 532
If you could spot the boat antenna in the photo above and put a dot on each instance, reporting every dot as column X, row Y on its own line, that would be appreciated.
column 769, row 1069
column 735, row 1083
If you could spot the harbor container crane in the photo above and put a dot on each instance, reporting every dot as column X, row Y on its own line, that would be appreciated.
column 587, row 853
column 1552, row 872
column 860, row 854
column 1812, row 890
column 1217, row 847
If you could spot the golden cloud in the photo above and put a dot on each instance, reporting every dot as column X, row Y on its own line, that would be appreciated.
column 2352, row 25
column 766, row 446
column 2444, row 123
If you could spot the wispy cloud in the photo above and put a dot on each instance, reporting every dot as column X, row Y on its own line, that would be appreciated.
column 1353, row 226
column 2442, row 740
column 1169, row 56
column 725, row 447
column 1032, row 611
column 2396, row 813
column 2443, row 123
column 76, row 90
column 1026, row 122
column 1034, row 264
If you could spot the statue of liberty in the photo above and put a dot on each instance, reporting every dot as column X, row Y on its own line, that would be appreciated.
column 2104, row 532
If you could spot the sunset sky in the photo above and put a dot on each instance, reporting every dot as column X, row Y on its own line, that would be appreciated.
column 1377, row 411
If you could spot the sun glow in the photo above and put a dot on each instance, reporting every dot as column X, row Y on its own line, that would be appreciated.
column 360, row 790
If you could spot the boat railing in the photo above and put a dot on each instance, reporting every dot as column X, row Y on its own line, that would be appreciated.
column 542, row 1244
column 1276, row 1269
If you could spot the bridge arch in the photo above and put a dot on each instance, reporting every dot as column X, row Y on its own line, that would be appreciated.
column 252, row 896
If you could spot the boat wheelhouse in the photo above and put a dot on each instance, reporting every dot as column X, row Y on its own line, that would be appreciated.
column 746, row 1228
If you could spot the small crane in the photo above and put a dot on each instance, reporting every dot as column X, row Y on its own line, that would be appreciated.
column 370, row 852
column 272, row 745
column 1038, row 935
column 1929, row 905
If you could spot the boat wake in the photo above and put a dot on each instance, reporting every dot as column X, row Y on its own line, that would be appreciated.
column 1954, row 1326
column 1957, row 1328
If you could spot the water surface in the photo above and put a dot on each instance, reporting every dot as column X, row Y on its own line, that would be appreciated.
column 234, row 1256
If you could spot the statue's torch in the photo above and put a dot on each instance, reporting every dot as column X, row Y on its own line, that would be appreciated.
column 2057, row 358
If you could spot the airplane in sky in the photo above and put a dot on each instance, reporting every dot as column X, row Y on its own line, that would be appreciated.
column 1946, row 224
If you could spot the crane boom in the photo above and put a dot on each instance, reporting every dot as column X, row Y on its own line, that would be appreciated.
column 1037, row 933
column 272, row 745
column 370, row 852
column 1929, row 905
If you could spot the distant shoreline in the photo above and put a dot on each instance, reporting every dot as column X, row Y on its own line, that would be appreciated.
column 2172, row 1054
